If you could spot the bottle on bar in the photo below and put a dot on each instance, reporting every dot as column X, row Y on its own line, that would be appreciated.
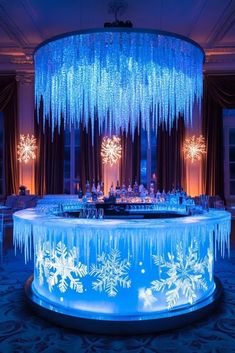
column 151, row 191
column 79, row 191
column 118, row 190
column 93, row 191
column 129, row 191
column 102, row 188
column 98, row 189
column 136, row 189
column 88, row 191
column 111, row 190
column 123, row 192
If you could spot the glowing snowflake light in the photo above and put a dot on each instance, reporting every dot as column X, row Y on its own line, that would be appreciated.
column 26, row 148
column 111, row 150
column 194, row 147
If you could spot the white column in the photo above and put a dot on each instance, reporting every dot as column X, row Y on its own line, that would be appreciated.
column 26, row 124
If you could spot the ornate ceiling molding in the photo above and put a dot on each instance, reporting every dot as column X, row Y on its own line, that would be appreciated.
column 221, row 28
column 8, row 24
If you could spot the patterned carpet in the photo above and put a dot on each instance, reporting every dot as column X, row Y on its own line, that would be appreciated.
column 23, row 332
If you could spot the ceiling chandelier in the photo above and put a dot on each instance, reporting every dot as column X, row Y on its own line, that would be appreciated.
column 127, row 78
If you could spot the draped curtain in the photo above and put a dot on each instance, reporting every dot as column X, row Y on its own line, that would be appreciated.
column 130, row 161
column 49, row 166
column 169, row 156
column 8, row 105
column 219, row 93
column 90, row 163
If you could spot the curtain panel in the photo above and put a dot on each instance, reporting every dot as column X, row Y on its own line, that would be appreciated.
column 219, row 93
column 90, row 164
column 170, row 166
column 8, row 105
column 49, row 165
column 130, row 161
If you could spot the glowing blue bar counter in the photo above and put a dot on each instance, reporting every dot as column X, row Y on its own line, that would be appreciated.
column 122, row 270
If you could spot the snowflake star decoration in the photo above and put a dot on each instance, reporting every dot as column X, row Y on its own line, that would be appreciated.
column 61, row 268
column 110, row 272
column 194, row 147
column 26, row 148
column 111, row 150
column 183, row 275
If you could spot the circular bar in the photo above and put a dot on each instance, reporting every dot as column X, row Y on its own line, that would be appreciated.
column 103, row 272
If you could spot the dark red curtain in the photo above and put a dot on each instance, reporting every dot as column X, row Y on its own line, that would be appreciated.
column 49, row 166
column 130, row 161
column 169, row 156
column 90, row 163
column 219, row 93
column 8, row 105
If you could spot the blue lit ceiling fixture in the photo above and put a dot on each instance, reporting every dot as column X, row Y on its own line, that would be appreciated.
column 127, row 78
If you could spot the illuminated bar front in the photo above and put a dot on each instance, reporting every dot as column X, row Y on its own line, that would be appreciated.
column 122, row 270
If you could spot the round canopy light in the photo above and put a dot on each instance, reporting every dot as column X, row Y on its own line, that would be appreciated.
column 125, row 78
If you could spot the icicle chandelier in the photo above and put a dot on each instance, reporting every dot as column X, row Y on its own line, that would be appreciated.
column 127, row 78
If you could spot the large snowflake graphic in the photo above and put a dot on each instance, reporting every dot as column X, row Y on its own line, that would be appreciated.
column 111, row 272
column 182, row 275
column 60, row 267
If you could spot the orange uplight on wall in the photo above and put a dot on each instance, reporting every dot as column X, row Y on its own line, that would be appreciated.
column 26, row 148
column 194, row 148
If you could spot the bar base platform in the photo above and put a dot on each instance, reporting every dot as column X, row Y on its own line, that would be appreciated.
column 123, row 325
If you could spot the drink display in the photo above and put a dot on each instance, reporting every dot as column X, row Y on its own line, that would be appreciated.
column 133, row 202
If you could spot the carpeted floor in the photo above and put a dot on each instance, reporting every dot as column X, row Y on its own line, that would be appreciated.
column 23, row 332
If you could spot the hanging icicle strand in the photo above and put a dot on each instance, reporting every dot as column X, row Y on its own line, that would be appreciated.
column 118, row 75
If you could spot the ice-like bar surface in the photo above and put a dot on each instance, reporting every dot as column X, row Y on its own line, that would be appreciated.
column 122, row 268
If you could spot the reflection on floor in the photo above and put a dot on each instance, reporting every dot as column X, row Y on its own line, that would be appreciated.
column 23, row 332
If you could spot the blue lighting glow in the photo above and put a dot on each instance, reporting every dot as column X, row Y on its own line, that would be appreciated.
column 118, row 76
column 122, row 268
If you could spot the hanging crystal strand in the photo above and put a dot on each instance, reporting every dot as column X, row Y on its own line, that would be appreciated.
column 123, row 73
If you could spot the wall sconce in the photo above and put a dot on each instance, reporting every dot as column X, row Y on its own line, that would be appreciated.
column 194, row 148
column 26, row 148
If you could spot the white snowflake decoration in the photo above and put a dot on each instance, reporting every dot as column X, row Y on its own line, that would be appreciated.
column 111, row 150
column 26, row 148
column 184, row 274
column 110, row 272
column 60, row 267
column 194, row 148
